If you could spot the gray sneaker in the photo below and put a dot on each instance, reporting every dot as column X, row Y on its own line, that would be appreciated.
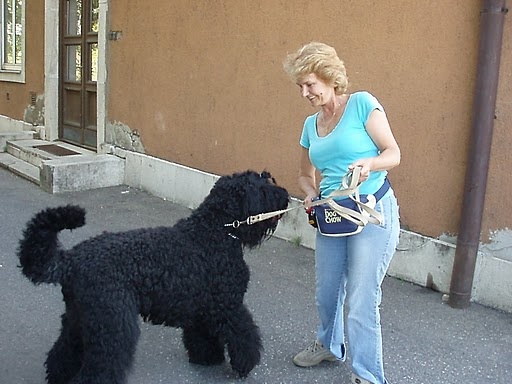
column 314, row 354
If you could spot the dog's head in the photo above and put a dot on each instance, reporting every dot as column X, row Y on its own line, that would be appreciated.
column 241, row 195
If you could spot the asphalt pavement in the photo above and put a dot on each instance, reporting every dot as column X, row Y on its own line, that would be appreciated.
column 425, row 340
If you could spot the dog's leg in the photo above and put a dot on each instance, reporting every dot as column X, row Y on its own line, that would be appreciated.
column 243, row 340
column 203, row 346
column 110, row 333
column 65, row 358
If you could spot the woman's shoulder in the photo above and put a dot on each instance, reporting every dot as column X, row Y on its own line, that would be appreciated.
column 366, row 102
column 311, row 119
column 362, row 95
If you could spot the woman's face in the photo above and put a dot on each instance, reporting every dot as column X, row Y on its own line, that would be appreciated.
column 315, row 90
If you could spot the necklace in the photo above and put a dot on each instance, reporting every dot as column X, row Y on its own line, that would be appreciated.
column 327, row 127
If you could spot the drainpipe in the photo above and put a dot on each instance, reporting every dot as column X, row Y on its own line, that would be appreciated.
column 492, row 17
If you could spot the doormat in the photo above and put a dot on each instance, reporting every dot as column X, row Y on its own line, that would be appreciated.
column 56, row 150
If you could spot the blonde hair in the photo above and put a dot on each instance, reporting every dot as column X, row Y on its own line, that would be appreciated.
column 320, row 59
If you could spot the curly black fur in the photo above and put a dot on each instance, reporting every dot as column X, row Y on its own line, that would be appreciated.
column 191, row 276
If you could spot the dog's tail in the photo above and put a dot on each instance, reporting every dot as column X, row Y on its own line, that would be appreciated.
column 39, row 249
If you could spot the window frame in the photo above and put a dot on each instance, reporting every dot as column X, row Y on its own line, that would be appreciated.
column 12, row 72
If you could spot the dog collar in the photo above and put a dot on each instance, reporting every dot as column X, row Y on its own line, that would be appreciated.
column 233, row 236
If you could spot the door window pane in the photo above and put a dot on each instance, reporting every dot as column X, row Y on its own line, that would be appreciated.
column 74, row 19
column 74, row 63
column 93, row 65
column 95, row 11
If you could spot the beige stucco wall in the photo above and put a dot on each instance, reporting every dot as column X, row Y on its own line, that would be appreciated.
column 19, row 99
column 498, row 205
column 202, row 84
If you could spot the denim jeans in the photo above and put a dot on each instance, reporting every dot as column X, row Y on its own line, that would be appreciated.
column 349, row 273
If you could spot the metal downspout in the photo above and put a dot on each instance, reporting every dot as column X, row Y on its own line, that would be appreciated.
column 492, row 18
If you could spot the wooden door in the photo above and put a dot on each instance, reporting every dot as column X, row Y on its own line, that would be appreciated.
column 78, row 72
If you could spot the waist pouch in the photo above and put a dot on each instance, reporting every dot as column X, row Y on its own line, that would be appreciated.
column 348, row 216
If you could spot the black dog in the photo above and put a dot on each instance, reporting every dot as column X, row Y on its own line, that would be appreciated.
column 192, row 276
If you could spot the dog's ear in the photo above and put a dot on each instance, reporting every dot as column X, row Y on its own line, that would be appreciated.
column 265, row 175
column 223, row 185
column 235, row 186
column 236, row 183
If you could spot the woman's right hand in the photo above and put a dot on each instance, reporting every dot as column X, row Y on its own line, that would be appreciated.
column 308, row 200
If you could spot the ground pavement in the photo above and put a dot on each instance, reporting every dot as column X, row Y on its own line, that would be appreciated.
column 425, row 341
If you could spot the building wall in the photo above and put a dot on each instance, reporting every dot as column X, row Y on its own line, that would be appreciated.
column 15, row 98
column 498, row 205
column 202, row 84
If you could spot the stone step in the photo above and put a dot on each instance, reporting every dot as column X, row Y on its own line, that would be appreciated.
column 35, row 151
column 20, row 167
column 61, row 167
column 11, row 136
column 79, row 173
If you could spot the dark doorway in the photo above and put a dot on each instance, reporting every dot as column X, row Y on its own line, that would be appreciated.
column 78, row 72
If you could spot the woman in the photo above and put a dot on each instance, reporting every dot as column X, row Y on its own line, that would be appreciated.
column 348, row 131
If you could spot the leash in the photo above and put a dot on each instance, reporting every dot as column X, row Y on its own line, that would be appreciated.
column 349, row 187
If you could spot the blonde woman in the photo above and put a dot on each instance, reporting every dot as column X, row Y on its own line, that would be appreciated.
column 348, row 130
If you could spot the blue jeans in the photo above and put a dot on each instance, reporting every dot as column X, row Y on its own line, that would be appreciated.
column 350, row 270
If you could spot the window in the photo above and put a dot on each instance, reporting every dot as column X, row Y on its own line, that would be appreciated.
column 12, row 42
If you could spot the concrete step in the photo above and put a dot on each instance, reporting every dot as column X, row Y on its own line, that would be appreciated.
column 35, row 151
column 61, row 167
column 11, row 136
column 20, row 167
column 79, row 173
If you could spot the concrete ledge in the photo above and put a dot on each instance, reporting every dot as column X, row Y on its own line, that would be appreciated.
column 493, row 282
column 8, row 124
column 177, row 183
column 78, row 172
column 423, row 260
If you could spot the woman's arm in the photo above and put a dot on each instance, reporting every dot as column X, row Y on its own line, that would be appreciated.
column 307, row 177
column 379, row 130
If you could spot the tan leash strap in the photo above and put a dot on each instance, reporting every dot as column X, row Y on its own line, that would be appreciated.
column 349, row 187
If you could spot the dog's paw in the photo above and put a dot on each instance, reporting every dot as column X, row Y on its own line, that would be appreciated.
column 243, row 372
column 244, row 365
